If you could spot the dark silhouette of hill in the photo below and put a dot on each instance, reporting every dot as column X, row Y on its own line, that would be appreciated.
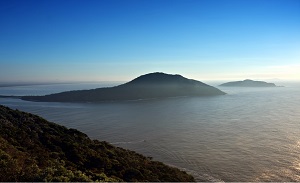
column 33, row 149
column 248, row 83
column 149, row 86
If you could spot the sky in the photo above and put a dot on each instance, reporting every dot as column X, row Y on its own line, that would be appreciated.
column 118, row 40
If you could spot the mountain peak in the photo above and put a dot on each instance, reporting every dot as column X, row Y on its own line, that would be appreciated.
column 148, row 86
column 157, row 77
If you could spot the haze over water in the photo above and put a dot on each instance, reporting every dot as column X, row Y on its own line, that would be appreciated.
column 250, row 134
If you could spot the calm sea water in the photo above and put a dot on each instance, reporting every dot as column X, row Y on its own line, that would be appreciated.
column 250, row 134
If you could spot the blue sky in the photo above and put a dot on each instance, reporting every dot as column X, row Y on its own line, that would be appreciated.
column 118, row 40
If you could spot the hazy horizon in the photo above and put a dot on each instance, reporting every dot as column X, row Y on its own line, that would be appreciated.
column 65, row 41
column 46, row 82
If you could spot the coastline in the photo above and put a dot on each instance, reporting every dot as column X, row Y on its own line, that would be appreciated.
column 79, row 157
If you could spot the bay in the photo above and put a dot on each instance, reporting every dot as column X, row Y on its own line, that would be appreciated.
column 250, row 134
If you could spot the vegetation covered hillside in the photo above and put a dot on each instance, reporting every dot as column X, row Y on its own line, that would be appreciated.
column 33, row 149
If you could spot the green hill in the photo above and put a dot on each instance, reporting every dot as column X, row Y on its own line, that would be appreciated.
column 33, row 149
column 148, row 86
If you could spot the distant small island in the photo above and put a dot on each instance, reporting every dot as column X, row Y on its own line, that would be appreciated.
column 148, row 86
column 248, row 83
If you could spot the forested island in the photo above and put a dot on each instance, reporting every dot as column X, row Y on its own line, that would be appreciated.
column 33, row 149
column 248, row 83
column 148, row 86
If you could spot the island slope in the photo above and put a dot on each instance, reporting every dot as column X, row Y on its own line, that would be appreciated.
column 33, row 149
column 248, row 83
column 149, row 86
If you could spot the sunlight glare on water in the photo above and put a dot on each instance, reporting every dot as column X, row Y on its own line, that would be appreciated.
column 247, row 135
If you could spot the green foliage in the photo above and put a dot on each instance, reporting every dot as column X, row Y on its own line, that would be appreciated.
column 33, row 149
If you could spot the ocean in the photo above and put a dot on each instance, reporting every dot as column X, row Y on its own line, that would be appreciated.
column 250, row 134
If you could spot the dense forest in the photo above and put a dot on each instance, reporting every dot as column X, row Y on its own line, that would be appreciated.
column 33, row 149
